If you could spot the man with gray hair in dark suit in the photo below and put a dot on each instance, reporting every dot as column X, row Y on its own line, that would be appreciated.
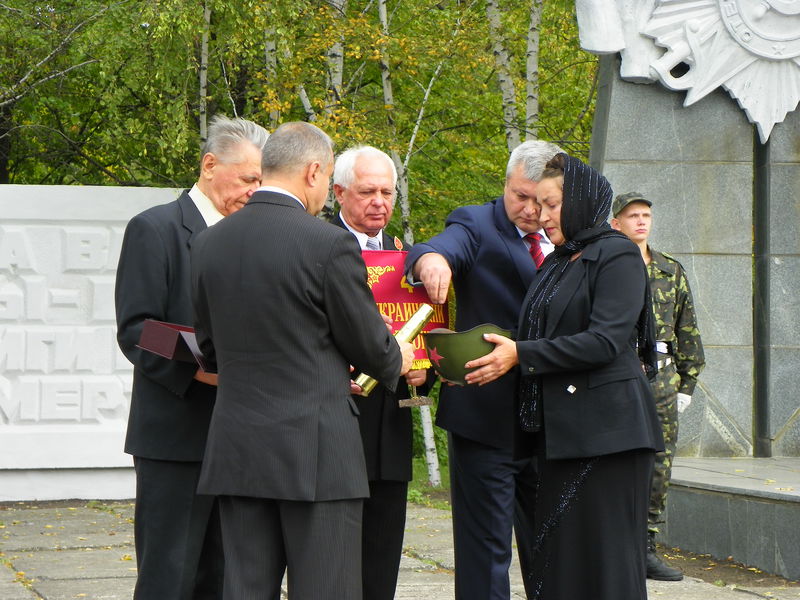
column 177, row 533
column 283, row 308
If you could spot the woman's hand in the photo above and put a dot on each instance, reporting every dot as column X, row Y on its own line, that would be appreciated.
column 495, row 364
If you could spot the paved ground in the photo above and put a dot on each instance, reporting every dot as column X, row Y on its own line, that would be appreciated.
column 775, row 478
column 66, row 550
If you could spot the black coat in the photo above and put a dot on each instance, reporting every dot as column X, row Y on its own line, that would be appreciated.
column 386, row 429
column 170, row 411
column 595, row 396
column 282, row 305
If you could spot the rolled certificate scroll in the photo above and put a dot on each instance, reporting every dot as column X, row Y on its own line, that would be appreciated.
column 406, row 333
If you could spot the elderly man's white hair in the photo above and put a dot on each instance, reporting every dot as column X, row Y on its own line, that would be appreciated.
column 226, row 134
column 343, row 170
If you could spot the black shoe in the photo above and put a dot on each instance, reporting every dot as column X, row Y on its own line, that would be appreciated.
column 658, row 570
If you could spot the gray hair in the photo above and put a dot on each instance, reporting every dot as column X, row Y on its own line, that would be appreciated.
column 344, row 170
column 294, row 145
column 226, row 134
column 532, row 156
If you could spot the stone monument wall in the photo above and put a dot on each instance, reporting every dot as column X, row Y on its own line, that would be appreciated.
column 64, row 384
column 783, row 382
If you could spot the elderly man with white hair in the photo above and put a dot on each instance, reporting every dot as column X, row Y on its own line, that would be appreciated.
column 364, row 180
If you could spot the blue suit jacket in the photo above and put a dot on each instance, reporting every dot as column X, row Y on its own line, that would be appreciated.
column 492, row 270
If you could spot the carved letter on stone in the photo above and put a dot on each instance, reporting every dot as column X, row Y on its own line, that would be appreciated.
column 15, row 251
column 85, row 249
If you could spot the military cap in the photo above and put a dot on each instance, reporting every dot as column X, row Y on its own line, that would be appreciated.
column 621, row 201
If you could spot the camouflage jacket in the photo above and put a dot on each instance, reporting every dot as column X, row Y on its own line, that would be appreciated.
column 675, row 319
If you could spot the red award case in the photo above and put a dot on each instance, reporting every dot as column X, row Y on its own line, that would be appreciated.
column 176, row 342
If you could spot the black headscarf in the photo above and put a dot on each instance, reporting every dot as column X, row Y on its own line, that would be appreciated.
column 584, row 212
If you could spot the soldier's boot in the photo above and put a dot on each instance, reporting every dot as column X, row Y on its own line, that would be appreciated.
column 656, row 568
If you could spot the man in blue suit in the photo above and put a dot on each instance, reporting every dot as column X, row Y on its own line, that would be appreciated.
column 490, row 252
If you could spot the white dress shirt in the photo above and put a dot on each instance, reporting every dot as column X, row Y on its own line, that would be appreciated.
column 206, row 207
column 362, row 237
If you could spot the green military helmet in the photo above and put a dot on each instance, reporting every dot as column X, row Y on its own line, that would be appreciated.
column 449, row 350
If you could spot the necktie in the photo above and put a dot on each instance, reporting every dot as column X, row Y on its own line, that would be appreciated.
column 535, row 249
column 373, row 243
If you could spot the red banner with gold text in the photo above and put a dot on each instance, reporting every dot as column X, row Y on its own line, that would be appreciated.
column 398, row 299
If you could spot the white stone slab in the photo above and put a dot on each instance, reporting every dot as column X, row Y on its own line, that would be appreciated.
column 64, row 384
column 63, row 484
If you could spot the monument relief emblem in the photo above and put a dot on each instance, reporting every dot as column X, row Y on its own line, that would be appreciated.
column 762, row 27
column 749, row 47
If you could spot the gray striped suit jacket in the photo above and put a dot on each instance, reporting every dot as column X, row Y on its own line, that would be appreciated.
column 283, row 308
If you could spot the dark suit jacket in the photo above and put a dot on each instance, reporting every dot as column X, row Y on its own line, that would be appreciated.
column 386, row 429
column 595, row 395
column 170, row 411
column 492, row 269
column 282, row 305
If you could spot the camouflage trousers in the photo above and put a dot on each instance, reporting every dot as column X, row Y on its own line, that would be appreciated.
column 665, row 390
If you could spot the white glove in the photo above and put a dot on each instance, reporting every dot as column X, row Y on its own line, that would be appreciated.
column 684, row 400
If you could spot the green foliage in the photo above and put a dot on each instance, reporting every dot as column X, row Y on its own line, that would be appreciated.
column 129, row 115
column 567, row 81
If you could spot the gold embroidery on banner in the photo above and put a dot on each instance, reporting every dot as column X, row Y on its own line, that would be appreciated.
column 374, row 274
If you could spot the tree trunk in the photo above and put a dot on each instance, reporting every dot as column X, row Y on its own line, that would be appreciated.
column 203, row 111
column 271, row 70
column 335, row 56
column 431, row 456
column 311, row 115
column 504, row 78
column 532, row 72
column 386, row 75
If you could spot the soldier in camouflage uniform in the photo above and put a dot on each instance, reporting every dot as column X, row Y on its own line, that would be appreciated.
column 680, row 357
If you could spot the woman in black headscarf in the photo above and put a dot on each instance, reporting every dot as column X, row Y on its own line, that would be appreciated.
column 585, row 408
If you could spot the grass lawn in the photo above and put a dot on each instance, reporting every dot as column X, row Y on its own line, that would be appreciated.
column 422, row 492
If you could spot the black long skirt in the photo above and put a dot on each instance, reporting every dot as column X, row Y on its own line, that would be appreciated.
column 590, row 538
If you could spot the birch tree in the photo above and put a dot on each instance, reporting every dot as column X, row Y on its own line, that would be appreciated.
column 336, row 58
column 203, row 74
column 271, row 72
column 505, row 79
column 532, row 72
